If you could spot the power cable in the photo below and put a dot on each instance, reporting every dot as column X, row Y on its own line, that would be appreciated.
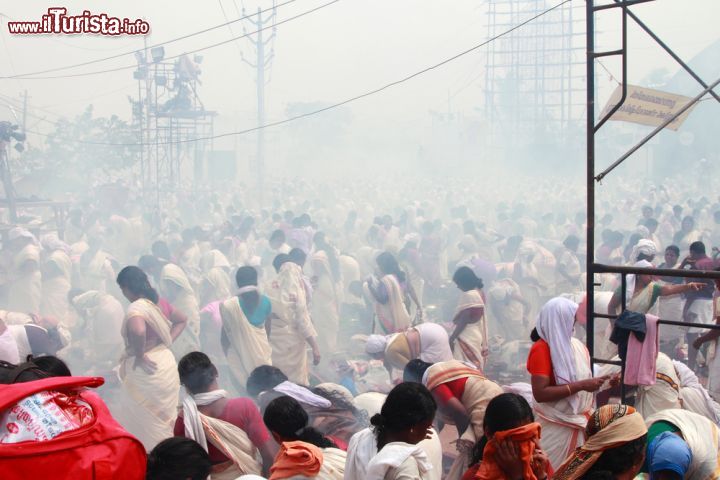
column 344, row 102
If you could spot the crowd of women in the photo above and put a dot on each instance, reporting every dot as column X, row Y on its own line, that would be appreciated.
column 425, row 340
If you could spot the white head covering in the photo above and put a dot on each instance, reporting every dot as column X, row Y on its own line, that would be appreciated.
column 376, row 344
column 631, row 278
column 555, row 324
column 645, row 247
column 302, row 394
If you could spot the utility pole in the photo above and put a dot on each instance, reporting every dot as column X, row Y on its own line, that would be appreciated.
column 262, row 66
column 25, row 108
column 7, row 182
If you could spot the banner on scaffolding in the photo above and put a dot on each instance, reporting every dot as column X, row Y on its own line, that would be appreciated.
column 648, row 107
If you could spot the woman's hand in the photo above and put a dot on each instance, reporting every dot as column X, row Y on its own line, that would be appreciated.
column 698, row 343
column 146, row 364
column 540, row 463
column 316, row 356
column 507, row 457
column 592, row 384
column 464, row 446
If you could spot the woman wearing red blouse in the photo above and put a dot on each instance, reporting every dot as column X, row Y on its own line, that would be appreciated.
column 561, row 378
column 217, row 422
column 462, row 394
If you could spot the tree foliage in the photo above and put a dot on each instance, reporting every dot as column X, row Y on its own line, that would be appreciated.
column 77, row 149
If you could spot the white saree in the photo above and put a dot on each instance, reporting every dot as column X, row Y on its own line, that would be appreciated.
column 249, row 346
column 149, row 406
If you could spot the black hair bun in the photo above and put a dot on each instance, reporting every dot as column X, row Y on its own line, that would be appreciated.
column 377, row 420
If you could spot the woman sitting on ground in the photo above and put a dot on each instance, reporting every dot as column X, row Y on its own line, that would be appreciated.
column 230, row 429
column 510, row 448
column 614, row 449
column 303, row 450
column 403, row 422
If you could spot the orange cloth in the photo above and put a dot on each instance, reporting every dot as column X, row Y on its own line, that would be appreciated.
column 539, row 361
column 296, row 458
column 471, row 472
column 525, row 437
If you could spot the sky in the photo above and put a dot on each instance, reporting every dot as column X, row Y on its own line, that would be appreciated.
column 337, row 52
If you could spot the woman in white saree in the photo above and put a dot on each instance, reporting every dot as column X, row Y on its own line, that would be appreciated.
column 470, row 337
column 148, row 372
column 562, row 382
column 388, row 294
column 246, row 328
column 292, row 329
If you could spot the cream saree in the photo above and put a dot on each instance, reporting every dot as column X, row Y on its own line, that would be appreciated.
column 186, row 302
column 150, row 400
column 563, row 427
column 291, row 324
column 474, row 337
column 249, row 346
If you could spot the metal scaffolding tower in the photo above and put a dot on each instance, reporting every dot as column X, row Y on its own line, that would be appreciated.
column 172, row 123
column 535, row 75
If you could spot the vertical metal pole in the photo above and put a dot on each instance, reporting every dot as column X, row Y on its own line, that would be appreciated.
column 260, row 160
column 8, row 183
column 25, row 109
column 623, row 306
column 590, row 173
column 141, row 119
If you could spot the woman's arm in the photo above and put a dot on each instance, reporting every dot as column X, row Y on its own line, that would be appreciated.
column 412, row 293
column 462, row 320
column 136, row 331
column 178, row 321
column 312, row 341
column 268, row 325
column 544, row 392
column 681, row 288
column 456, row 410
column 268, row 450
column 709, row 336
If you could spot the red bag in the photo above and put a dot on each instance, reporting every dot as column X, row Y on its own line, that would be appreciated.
column 100, row 450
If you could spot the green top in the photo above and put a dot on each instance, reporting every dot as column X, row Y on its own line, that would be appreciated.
column 656, row 429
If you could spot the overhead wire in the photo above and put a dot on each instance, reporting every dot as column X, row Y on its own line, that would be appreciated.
column 189, row 52
column 344, row 102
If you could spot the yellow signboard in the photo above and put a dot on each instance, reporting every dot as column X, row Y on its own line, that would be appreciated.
column 648, row 107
